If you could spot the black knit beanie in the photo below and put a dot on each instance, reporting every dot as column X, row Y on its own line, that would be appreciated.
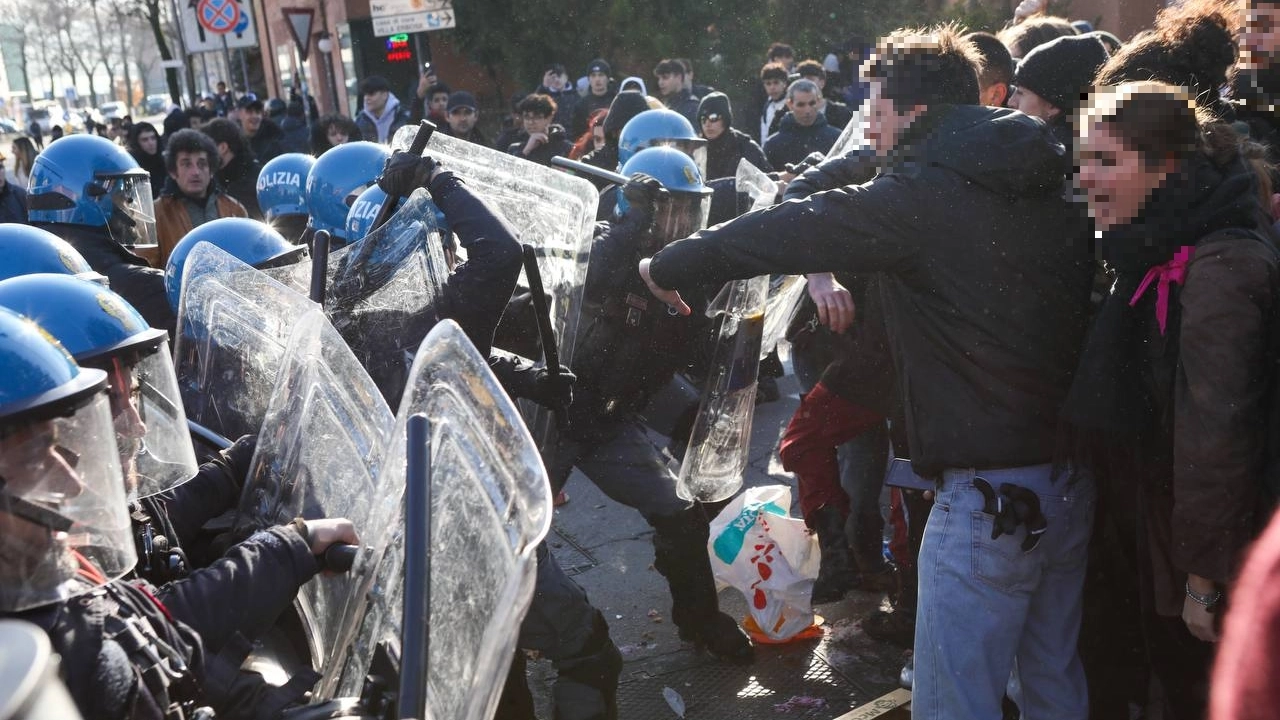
column 716, row 103
column 1061, row 71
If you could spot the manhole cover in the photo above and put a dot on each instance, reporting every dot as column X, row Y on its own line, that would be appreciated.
column 787, row 681
column 573, row 558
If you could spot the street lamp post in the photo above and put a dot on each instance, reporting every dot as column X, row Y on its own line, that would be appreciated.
column 324, row 43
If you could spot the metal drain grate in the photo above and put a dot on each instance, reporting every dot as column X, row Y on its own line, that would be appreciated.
column 783, row 682
column 573, row 558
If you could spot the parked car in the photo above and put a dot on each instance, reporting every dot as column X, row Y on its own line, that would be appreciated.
column 155, row 104
column 113, row 110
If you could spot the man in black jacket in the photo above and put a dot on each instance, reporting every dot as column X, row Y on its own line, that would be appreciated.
column 13, row 199
column 674, row 94
column 985, row 281
column 804, row 128
column 600, row 94
column 238, row 169
column 544, row 139
column 726, row 145
column 265, row 137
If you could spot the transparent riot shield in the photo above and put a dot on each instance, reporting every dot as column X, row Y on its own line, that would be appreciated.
column 490, row 507
column 719, row 444
column 853, row 137
column 317, row 457
column 383, row 291
column 233, row 325
column 551, row 210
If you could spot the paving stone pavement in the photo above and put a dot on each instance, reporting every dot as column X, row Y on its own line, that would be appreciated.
column 608, row 549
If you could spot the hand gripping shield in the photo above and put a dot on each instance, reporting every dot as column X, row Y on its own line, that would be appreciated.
column 490, row 507
column 718, row 447
column 383, row 292
column 234, row 323
column 554, row 212
column 316, row 458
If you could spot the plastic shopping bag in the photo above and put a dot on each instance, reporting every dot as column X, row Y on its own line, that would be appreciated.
column 768, row 556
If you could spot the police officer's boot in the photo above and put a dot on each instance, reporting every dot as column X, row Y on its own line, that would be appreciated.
column 587, row 687
column 680, row 554
column 836, row 573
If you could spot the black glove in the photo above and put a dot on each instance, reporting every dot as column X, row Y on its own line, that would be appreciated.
column 810, row 160
column 237, row 458
column 641, row 192
column 405, row 172
column 553, row 391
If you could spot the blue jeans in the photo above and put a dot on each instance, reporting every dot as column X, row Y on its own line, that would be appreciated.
column 985, row 603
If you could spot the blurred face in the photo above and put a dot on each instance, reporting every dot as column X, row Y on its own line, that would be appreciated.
column 462, row 120
column 712, row 126
column 148, row 141
column 551, row 80
column 535, row 123
column 597, row 136
column 599, row 83
column 670, row 83
column 1114, row 178
column 438, row 103
column 36, row 472
column 818, row 80
column 250, row 120
column 1260, row 42
column 775, row 88
column 192, row 173
column 884, row 122
column 804, row 106
column 1029, row 103
column 336, row 135
column 375, row 101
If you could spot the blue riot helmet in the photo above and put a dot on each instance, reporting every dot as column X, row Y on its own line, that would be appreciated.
column 25, row 249
column 102, row 330
column 337, row 179
column 250, row 241
column 366, row 208
column 661, row 128
column 282, row 185
column 89, row 180
column 62, row 505
column 683, row 208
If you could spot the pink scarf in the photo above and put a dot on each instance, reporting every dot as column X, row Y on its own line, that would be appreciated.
column 1174, row 271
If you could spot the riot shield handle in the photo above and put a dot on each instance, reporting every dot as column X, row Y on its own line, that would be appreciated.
column 415, row 639
column 425, row 130
column 339, row 557
column 584, row 169
column 542, row 313
column 208, row 435
column 319, row 265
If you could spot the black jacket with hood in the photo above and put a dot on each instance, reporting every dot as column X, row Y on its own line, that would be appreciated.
column 793, row 142
column 985, row 283
column 724, row 152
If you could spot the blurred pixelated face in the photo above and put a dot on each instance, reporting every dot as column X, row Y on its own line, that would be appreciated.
column 818, row 80
column 712, row 126
column 670, row 83
column 148, row 141
column 775, row 89
column 250, row 120
column 336, row 135
column 375, row 101
column 1029, row 103
column 599, row 83
column 438, row 103
column 884, row 123
column 191, row 172
column 1113, row 177
column 804, row 107
column 462, row 120
column 536, row 123
column 1260, row 42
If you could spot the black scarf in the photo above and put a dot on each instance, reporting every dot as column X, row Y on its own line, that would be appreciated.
column 1120, row 392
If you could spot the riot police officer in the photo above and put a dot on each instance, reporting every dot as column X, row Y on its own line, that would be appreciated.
column 91, row 193
column 282, row 194
column 628, row 348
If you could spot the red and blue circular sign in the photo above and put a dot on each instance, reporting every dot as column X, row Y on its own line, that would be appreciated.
column 218, row 16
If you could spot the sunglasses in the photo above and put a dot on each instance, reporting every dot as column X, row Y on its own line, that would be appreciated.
column 711, row 117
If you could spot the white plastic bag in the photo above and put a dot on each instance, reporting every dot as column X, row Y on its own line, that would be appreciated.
column 768, row 556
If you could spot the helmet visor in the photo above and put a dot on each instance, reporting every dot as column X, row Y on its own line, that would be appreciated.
column 695, row 148
column 678, row 215
column 133, row 213
column 150, row 425
column 64, row 520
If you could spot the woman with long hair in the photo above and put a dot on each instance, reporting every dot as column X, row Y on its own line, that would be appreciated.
column 593, row 138
column 143, row 143
column 24, row 158
column 333, row 130
column 1170, row 407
